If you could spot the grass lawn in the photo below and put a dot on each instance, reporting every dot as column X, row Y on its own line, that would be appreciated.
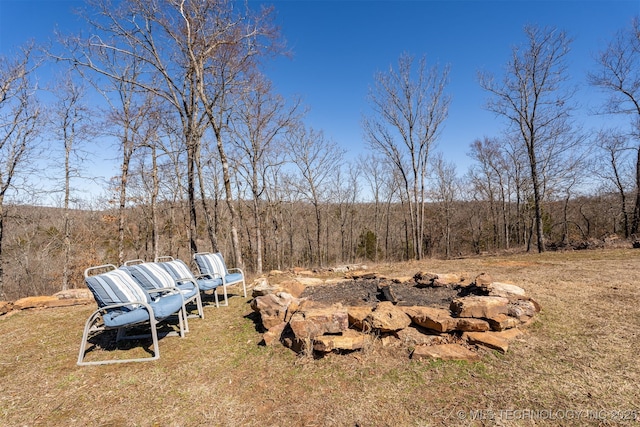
column 577, row 364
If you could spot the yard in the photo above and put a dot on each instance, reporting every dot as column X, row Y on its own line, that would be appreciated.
column 576, row 364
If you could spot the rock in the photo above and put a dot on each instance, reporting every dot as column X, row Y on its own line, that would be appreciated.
column 523, row 310
column 5, row 307
column 289, row 340
column 273, row 335
column 293, row 287
column 347, row 340
column 437, row 319
column 469, row 324
column 390, row 341
column 317, row 321
column 412, row 336
column 78, row 294
column 361, row 275
column 45, row 301
column 309, row 281
column 502, row 322
column 401, row 279
column 388, row 293
column 492, row 340
column 357, row 315
column 261, row 287
column 444, row 352
column 483, row 280
column 479, row 306
column 504, row 290
column 424, row 278
column 386, row 317
column 448, row 279
column 293, row 307
column 272, row 308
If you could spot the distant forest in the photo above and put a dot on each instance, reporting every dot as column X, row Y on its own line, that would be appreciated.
column 213, row 159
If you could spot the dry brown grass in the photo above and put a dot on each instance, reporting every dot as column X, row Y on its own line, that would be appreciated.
column 581, row 354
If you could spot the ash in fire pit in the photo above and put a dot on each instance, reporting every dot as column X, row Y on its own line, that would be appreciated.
column 369, row 292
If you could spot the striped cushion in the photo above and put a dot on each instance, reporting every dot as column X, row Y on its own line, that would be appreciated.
column 177, row 269
column 212, row 264
column 115, row 287
column 151, row 276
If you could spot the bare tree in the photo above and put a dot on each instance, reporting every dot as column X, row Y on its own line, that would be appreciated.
column 317, row 159
column 613, row 167
column 445, row 191
column 20, row 116
column 185, row 47
column 223, row 48
column 494, row 175
column 534, row 99
column 618, row 74
column 71, row 122
column 262, row 117
column 345, row 193
column 409, row 109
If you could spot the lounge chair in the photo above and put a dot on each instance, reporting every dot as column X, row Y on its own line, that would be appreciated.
column 122, row 304
column 181, row 273
column 213, row 265
column 151, row 276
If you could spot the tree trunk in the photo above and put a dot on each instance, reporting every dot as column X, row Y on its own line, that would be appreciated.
column 191, row 194
column 123, row 201
column 636, row 210
column 205, row 206
column 226, row 176
column 536, row 198
column 155, row 234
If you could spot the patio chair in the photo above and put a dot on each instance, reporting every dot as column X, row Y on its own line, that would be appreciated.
column 213, row 265
column 123, row 304
column 181, row 273
column 151, row 276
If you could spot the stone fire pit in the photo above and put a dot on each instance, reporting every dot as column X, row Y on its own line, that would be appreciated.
column 445, row 316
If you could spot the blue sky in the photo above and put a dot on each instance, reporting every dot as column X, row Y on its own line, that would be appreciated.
column 339, row 45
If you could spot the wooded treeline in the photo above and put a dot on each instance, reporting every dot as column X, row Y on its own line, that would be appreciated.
column 213, row 159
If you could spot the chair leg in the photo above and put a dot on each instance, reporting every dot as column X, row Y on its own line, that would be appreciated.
column 85, row 337
column 226, row 298
column 215, row 296
column 89, row 327
column 199, row 305
column 182, row 322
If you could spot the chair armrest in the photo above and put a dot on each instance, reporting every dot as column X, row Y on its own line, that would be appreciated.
column 236, row 269
column 169, row 291
column 125, row 304
column 209, row 276
column 189, row 280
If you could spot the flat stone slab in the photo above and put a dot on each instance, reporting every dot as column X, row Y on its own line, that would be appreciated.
column 504, row 289
column 47, row 302
column 347, row 340
column 470, row 324
column 494, row 340
column 479, row 306
column 412, row 336
column 386, row 317
column 317, row 321
column 444, row 352
column 357, row 315
column 437, row 319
